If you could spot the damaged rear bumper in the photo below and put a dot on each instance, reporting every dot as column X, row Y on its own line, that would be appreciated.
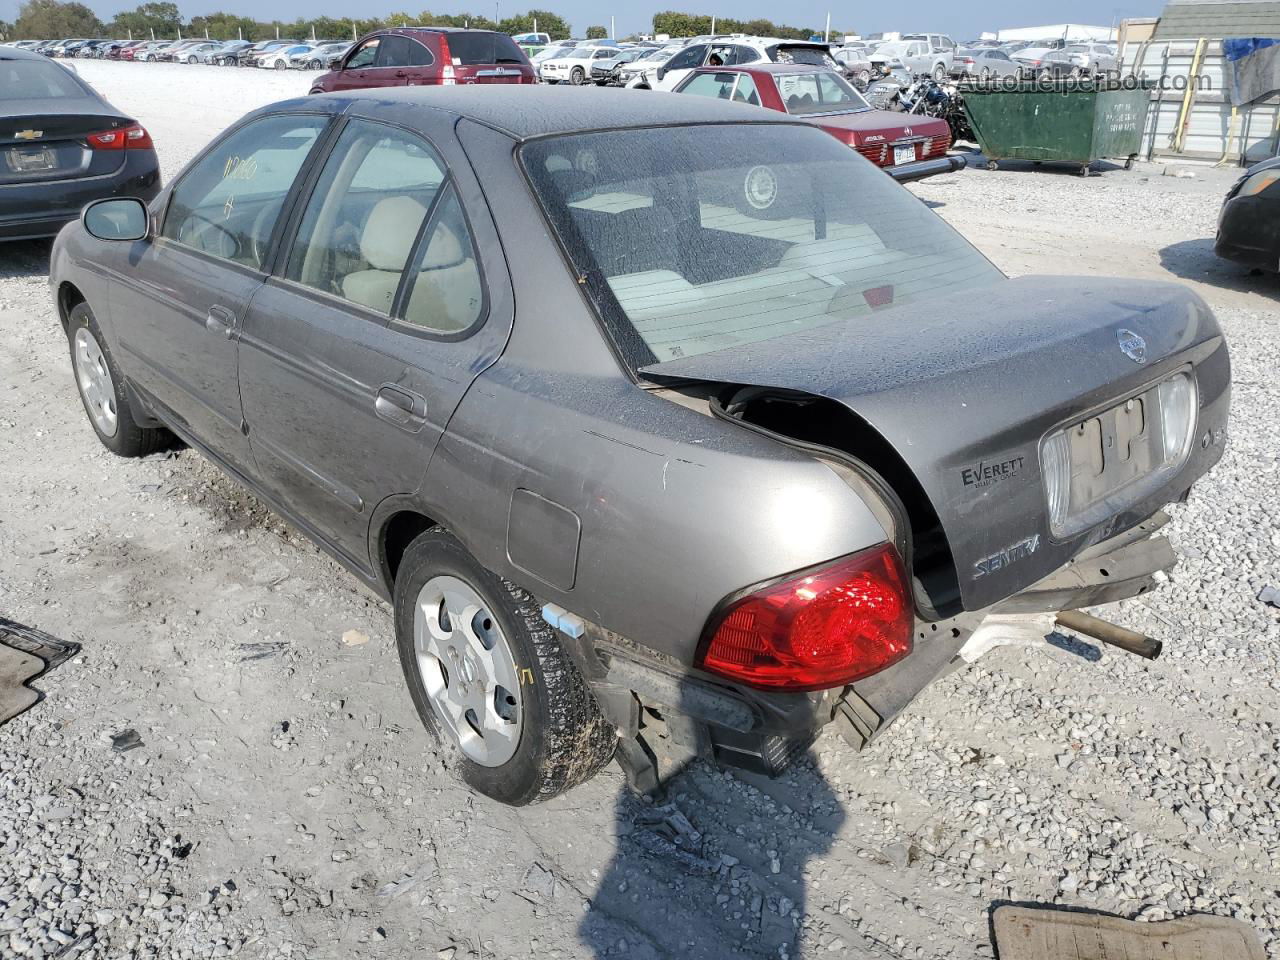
column 667, row 709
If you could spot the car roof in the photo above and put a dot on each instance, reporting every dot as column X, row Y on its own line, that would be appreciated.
column 772, row 68
column 526, row 111
column 18, row 53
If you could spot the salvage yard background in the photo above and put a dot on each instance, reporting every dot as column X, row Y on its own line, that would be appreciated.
column 283, row 802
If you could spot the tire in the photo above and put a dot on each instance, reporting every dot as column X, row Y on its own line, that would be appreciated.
column 939, row 72
column 576, row 76
column 314, row 65
column 280, row 65
column 558, row 738
column 1075, row 73
column 993, row 165
column 101, row 388
column 986, row 75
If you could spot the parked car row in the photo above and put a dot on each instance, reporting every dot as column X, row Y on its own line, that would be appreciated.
column 271, row 54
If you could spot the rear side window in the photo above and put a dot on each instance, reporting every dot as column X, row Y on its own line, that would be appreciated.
column 227, row 204
column 394, row 52
column 36, row 80
column 470, row 49
column 444, row 291
column 365, row 214
column 419, row 56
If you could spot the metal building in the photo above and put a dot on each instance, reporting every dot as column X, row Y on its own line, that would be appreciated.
column 1191, row 112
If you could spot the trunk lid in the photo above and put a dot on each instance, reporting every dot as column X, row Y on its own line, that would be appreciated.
column 45, row 140
column 966, row 397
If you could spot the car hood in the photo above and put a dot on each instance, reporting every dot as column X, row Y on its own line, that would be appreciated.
column 967, row 397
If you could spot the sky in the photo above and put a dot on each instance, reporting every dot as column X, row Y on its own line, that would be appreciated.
column 961, row 20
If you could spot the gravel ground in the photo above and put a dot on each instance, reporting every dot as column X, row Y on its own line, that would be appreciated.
column 284, row 801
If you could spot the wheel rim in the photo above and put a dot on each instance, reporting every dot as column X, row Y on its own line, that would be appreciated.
column 93, row 377
column 468, row 670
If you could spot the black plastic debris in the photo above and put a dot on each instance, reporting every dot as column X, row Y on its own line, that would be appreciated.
column 26, row 655
column 125, row 740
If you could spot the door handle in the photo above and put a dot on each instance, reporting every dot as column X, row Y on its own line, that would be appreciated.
column 404, row 408
column 221, row 321
column 401, row 73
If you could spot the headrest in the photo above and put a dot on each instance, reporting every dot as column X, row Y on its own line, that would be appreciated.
column 390, row 231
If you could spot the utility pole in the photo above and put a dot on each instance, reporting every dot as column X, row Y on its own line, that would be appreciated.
column 613, row 33
column 826, row 34
column 713, row 24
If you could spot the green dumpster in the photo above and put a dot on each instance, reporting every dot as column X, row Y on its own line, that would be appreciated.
column 1065, row 121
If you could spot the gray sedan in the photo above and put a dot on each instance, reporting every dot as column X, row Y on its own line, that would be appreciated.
column 985, row 64
column 658, row 445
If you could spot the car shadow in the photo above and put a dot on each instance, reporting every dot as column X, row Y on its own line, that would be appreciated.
column 1195, row 260
column 25, row 258
column 739, row 867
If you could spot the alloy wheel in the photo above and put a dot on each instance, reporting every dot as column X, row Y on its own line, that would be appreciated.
column 468, row 670
column 93, row 377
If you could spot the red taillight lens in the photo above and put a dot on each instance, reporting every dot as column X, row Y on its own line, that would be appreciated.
column 125, row 138
column 829, row 627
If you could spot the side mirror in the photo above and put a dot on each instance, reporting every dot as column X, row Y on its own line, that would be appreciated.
column 117, row 218
column 662, row 72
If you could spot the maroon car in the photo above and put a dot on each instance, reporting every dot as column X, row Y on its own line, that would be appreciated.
column 424, row 56
column 906, row 146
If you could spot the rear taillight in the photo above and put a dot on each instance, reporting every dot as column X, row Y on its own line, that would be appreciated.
column 125, row 138
column 447, row 75
column 822, row 629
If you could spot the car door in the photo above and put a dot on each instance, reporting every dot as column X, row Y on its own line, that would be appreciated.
column 177, row 308
column 356, row 353
column 420, row 65
column 359, row 67
column 679, row 67
column 919, row 59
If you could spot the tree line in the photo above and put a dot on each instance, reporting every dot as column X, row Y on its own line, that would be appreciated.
column 55, row 19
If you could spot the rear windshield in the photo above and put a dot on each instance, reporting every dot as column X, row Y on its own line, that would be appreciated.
column 36, row 80
column 809, row 56
column 818, row 92
column 709, row 237
column 469, row 49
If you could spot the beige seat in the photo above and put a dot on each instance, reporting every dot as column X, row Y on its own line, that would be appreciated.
column 385, row 243
column 447, row 294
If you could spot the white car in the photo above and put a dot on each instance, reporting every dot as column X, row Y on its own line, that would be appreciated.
column 278, row 59
column 666, row 75
column 574, row 65
column 196, row 54
column 917, row 57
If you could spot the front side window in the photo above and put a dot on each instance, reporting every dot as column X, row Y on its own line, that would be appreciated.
column 715, row 236
column 365, row 214
column 366, row 55
column 811, row 93
column 227, row 204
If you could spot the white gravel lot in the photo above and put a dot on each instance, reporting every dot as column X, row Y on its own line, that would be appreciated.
column 285, row 803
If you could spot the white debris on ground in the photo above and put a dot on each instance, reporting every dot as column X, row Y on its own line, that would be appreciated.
column 283, row 801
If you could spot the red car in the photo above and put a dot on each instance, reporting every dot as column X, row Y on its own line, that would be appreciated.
column 906, row 146
column 424, row 56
